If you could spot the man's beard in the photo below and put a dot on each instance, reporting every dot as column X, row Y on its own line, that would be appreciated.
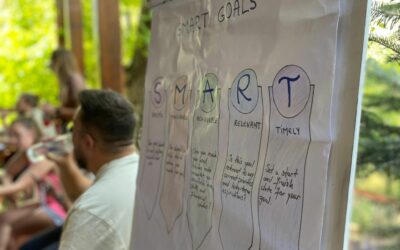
column 80, row 160
column 82, row 163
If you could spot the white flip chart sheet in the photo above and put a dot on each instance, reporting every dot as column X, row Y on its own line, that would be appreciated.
column 204, row 159
column 154, row 146
column 237, row 132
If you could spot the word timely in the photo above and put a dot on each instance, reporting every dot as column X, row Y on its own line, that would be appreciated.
column 287, row 130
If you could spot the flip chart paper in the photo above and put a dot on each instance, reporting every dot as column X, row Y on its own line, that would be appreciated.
column 237, row 127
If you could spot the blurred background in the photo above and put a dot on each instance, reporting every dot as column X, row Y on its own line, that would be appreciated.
column 31, row 30
column 376, row 200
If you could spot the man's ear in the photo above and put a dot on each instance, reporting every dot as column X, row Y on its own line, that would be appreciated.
column 89, row 141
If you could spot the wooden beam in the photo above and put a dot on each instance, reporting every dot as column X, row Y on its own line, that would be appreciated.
column 60, row 23
column 110, row 44
column 76, row 31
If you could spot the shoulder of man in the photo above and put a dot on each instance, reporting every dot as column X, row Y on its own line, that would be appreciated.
column 114, row 190
column 84, row 230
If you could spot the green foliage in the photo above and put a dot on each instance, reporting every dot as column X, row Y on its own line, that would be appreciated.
column 129, row 22
column 380, row 125
column 386, row 14
column 375, row 219
column 386, row 17
column 91, row 62
column 377, row 222
column 362, row 214
column 144, row 32
column 27, row 29
column 378, row 183
column 130, row 11
column 391, row 42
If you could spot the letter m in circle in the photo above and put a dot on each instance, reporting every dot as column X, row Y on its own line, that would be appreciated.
column 179, row 95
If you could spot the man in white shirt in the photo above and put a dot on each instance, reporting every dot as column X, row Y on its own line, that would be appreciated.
column 102, row 216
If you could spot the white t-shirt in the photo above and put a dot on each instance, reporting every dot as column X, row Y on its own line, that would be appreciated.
column 48, row 130
column 102, row 217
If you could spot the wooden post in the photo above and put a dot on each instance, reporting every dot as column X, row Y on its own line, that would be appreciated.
column 76, row 31
column 60, row 23
column 110, row 45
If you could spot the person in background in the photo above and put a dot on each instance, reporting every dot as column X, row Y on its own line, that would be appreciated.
column 23, row 133
column 101, row 218
column 45, row 212
column 75, row 182
column 6, row 150
column 3, row 118
column 27, row 106
column 71, row 82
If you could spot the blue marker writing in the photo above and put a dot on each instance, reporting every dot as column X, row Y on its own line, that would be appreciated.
column 243, row 90
column 289, row 81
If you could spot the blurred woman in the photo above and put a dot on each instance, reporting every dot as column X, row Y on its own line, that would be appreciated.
column 23, row 133
column 48, row 211
column 27, row 106
column 71, row 82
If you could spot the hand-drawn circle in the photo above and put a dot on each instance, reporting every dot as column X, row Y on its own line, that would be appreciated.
column 244, row 91
column 209, row 92
column 291, row 90
column 180, row 93
column 157, row 92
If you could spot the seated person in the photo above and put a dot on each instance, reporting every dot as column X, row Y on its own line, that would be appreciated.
column 48, row 211
column 6, row 151
column 22, row 134
column 27, row 106
column 103, row 143
column 75, row 181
